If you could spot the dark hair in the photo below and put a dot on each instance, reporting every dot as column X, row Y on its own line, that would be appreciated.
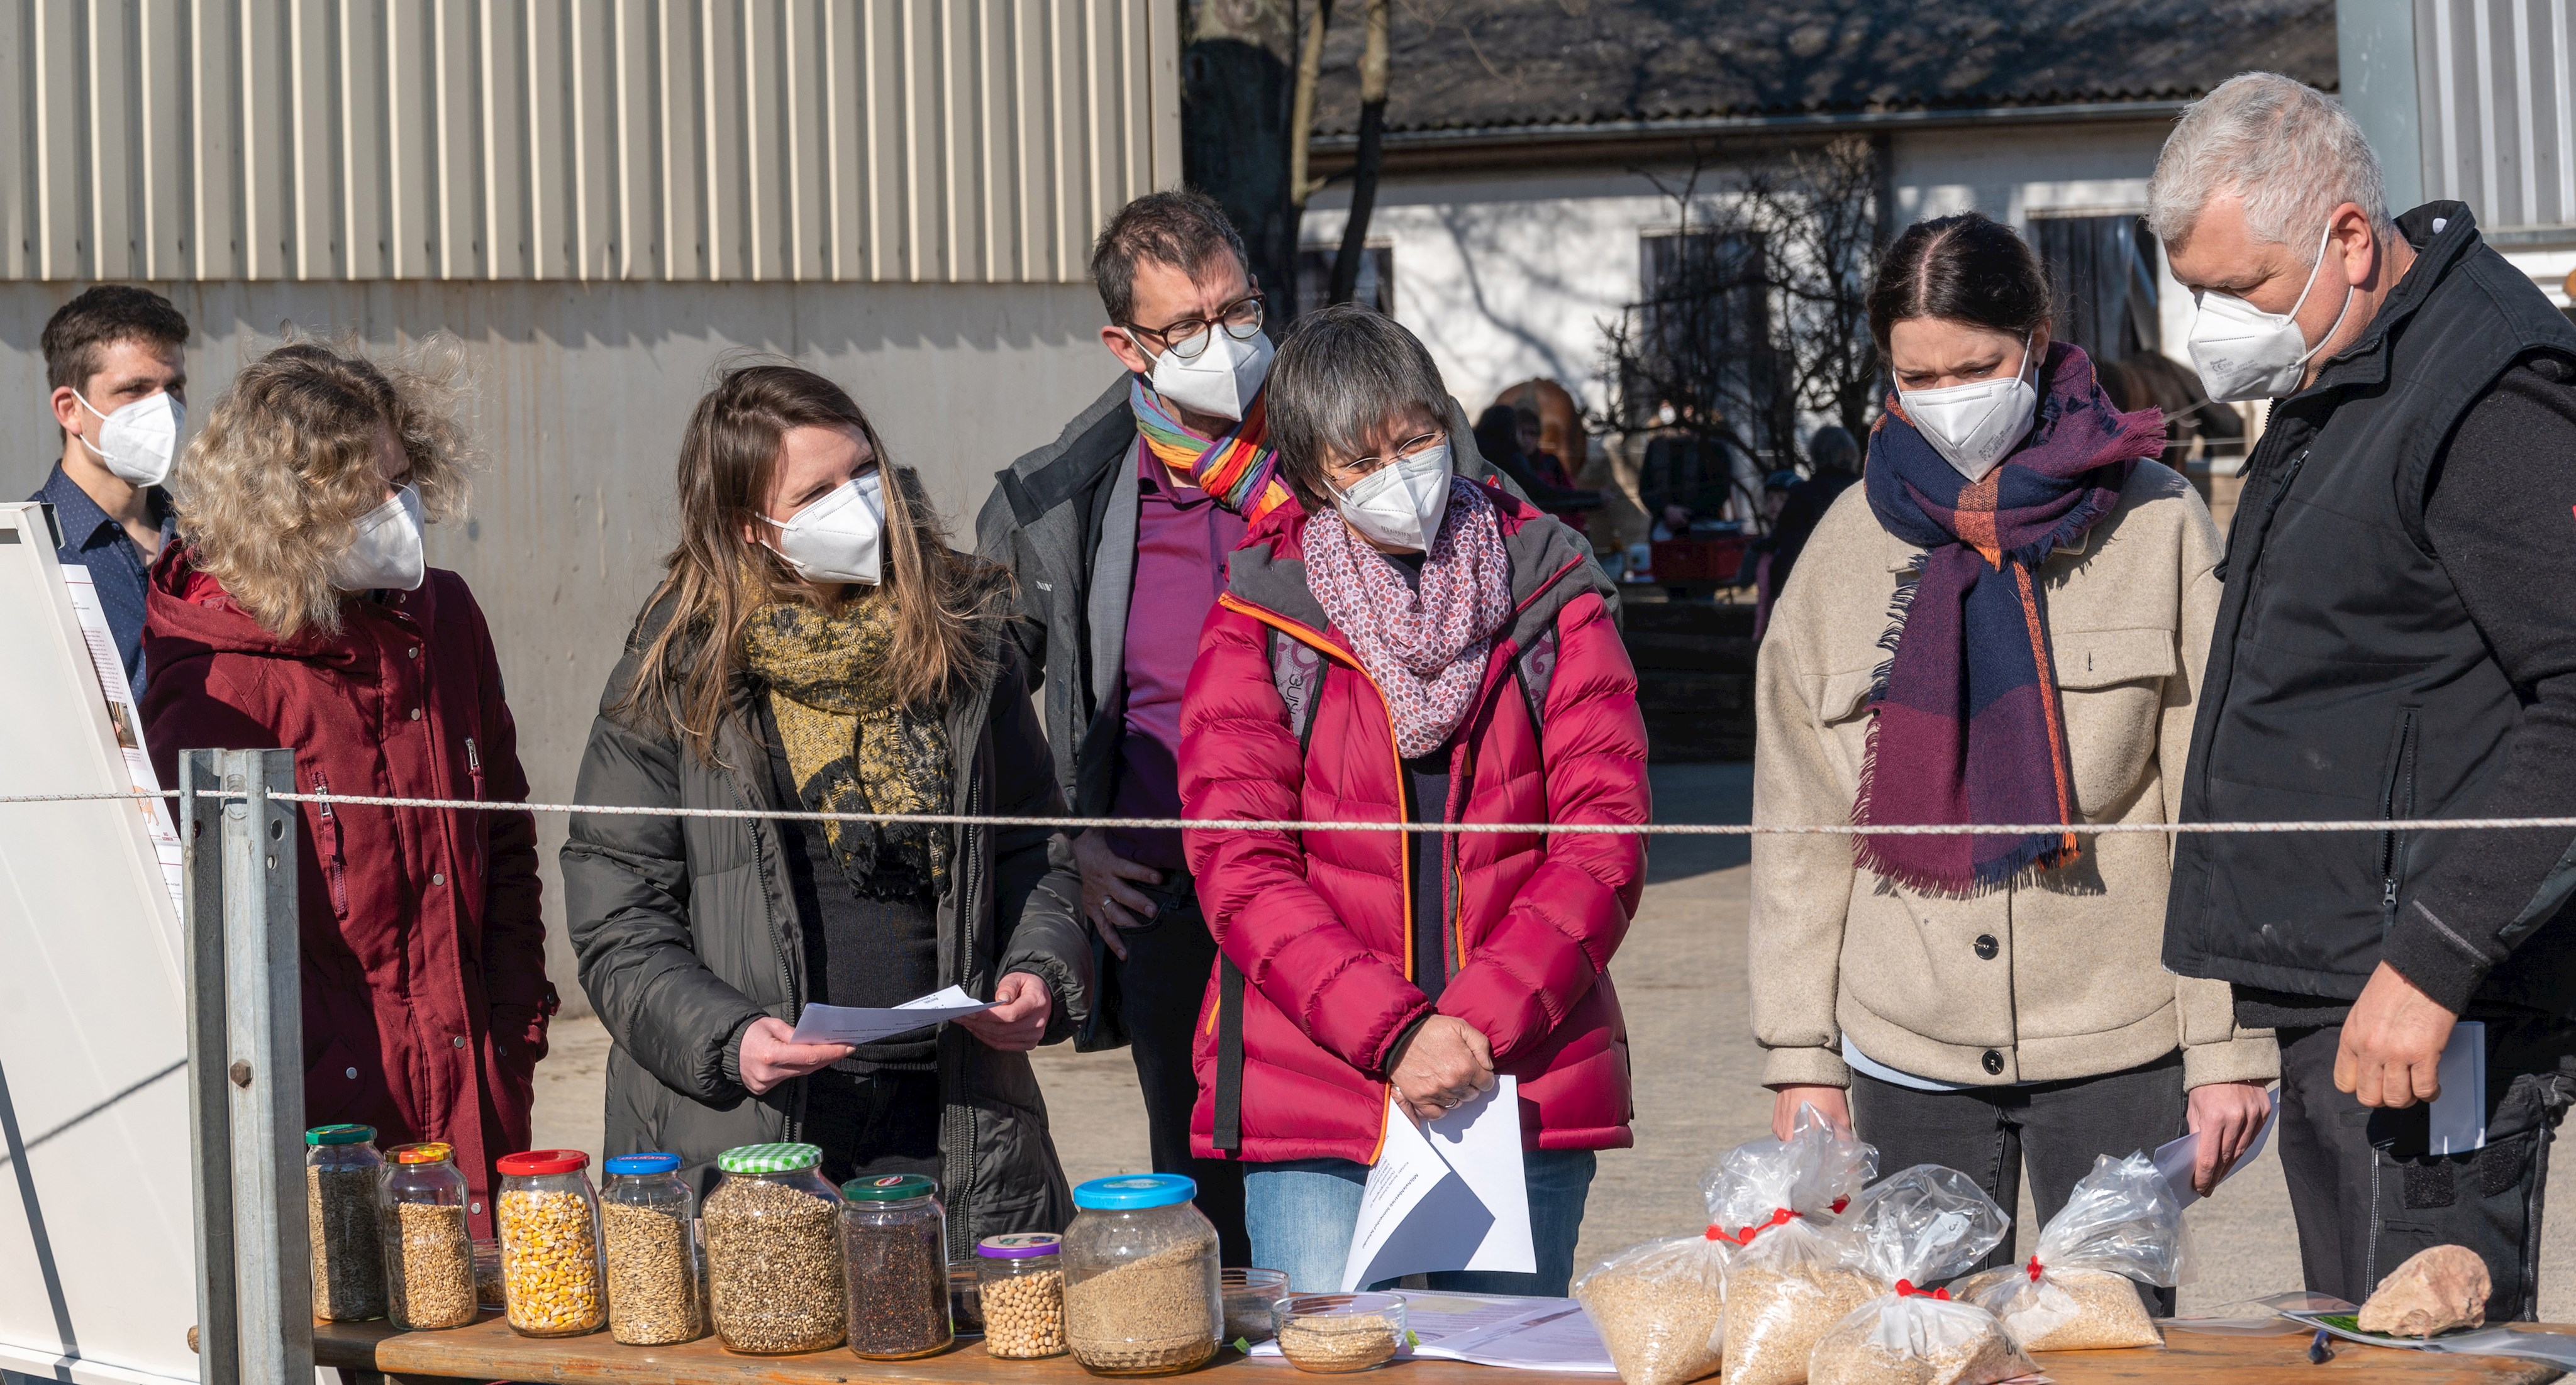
column 1341, row 372
column 100, row 318
column 1498, row 433
column 1966, row 267
column 1184, row 229
column 1832, row 449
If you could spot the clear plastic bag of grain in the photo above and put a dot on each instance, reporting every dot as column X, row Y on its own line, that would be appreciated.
column 1774, row 1204
column 1908, row 1232
column 2121, row 1227
column 1660, row 1308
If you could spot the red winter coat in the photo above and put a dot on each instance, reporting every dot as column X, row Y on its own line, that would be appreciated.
column 1320, row 927
column 425, row 995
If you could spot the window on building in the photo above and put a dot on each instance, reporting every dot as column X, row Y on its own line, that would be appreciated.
column 2103, row 272
column 1705, row 341
column 1315, row 278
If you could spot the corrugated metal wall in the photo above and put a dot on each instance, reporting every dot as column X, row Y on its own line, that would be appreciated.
column 963, row 141
column 2496, row 83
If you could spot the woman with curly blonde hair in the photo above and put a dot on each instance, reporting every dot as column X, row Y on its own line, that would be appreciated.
column 295, row 610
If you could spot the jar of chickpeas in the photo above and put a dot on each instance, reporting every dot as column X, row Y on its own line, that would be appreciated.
column 551, row 1272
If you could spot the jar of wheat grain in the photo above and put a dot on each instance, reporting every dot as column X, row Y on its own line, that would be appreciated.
column 648, row 1223
column 428, row 1253
column 1141, row 1289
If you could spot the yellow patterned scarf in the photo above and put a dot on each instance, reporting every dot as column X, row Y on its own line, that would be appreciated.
column 849, row 747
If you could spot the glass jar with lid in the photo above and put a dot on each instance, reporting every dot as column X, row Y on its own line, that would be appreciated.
column 549, row 1222
column 340, row 1165
column 429, row 1253
column 773, row 1235
column 1021, row 1285
column 648, row 1226
column 1140, row 1277
column 894, row 1239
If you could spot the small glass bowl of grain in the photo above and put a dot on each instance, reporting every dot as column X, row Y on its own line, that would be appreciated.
column 1335, row 1334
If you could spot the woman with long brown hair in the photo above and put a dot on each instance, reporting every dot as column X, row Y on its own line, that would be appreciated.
column 816, row 647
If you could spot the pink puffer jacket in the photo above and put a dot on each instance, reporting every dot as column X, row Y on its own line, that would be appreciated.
column 1317, row 932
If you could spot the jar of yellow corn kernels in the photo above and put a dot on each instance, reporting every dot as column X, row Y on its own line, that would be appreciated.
column 551, row 1274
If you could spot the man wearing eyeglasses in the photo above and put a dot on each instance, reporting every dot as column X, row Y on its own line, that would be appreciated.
column 1118, row 532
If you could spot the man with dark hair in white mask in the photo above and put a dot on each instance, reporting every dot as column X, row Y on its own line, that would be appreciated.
column 2397, row 640
column 113, row 359
column 1118, row 532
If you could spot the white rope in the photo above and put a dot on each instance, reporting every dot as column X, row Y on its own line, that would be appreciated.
column 1601, row 829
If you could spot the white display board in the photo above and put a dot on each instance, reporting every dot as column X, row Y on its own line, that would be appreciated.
column 97, row 1256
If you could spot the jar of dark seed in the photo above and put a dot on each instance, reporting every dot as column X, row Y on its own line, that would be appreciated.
column 1140, row 1277
column 1022, row 1289
column 894, row 1237
column 549, row 1223
column 648, row 1220
column 429, row 1255
column 773, row 1232
column 340, row 1166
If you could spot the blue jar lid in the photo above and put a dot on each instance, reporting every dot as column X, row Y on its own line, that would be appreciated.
column 644, row 1163
column 1130, row 1190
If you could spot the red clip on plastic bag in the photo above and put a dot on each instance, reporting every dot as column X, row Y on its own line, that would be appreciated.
column 1773, row 1202
column 2122, row 1223
column 1917, row 1227
column 1660, row 1307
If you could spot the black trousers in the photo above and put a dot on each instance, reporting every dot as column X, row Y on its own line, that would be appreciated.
column 874, row 1122
column 2367, row 1195
column 1159, row 989
column 2057, row 1128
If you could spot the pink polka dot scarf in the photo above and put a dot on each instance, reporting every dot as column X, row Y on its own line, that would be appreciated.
column 1424, row 645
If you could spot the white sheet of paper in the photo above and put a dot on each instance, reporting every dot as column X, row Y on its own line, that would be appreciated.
column 2174, row 1157
column 854, row 1024
column 2459, row 1112
column 1450, row 1195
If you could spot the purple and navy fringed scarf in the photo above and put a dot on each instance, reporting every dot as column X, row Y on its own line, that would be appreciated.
column 1969, row 728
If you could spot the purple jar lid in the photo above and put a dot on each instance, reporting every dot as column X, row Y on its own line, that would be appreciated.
column 1019, row 1245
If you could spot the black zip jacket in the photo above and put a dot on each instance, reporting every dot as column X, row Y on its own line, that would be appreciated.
column 2398, row 640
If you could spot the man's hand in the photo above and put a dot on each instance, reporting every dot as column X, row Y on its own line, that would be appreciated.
column 770, row 1055
column 1443, row 1063
column 2225, row 1115
column 1832, row 1103
column 1108, row 901
column 1018, row 1019
column 2391, row 1052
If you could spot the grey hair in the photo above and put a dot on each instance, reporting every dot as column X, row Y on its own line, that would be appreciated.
column 2292, row 154
column 1340, row 374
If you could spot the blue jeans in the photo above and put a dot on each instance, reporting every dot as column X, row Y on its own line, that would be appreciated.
column 1301, row 1213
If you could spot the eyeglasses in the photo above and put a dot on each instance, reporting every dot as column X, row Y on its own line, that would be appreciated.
column 1361, row 468
column 1189, row 336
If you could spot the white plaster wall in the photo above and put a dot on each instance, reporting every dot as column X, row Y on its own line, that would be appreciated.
column 580, row 395
column 1507, row 277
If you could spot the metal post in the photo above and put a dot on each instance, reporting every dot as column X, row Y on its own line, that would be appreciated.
column 264, row 1029
column 210, row 1135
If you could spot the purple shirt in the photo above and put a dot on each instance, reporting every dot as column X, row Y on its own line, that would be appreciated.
column 1182, row 539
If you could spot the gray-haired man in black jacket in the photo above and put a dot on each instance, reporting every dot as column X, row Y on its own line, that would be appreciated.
column 2397, row 641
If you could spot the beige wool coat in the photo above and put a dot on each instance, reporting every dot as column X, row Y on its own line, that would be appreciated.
column 2056, row 975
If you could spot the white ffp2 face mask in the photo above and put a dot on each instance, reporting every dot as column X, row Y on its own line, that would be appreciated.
column 384, row 554
column 1400, row 504
column 2243, row 352
column 839, row 538
column 1974, row 425
column 1220, row 380
column 138, row 441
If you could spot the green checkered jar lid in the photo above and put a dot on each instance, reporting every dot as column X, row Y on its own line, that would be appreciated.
column 779, row 1158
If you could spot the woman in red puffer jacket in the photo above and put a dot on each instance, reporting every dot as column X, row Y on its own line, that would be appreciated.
column 1409, row 647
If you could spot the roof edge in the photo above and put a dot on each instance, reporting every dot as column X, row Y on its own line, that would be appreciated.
column 1559, row 132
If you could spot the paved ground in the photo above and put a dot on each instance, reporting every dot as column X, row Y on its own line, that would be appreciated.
column 1681, row 978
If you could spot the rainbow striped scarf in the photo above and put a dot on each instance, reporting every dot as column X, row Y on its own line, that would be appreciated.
column 1239, row 470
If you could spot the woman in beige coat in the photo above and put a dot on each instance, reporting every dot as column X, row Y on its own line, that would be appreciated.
column 2004, row 624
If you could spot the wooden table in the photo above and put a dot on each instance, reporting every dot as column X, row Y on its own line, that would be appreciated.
column 489, row 1350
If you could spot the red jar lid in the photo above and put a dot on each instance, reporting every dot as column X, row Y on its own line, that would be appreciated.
column 540, row 1161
